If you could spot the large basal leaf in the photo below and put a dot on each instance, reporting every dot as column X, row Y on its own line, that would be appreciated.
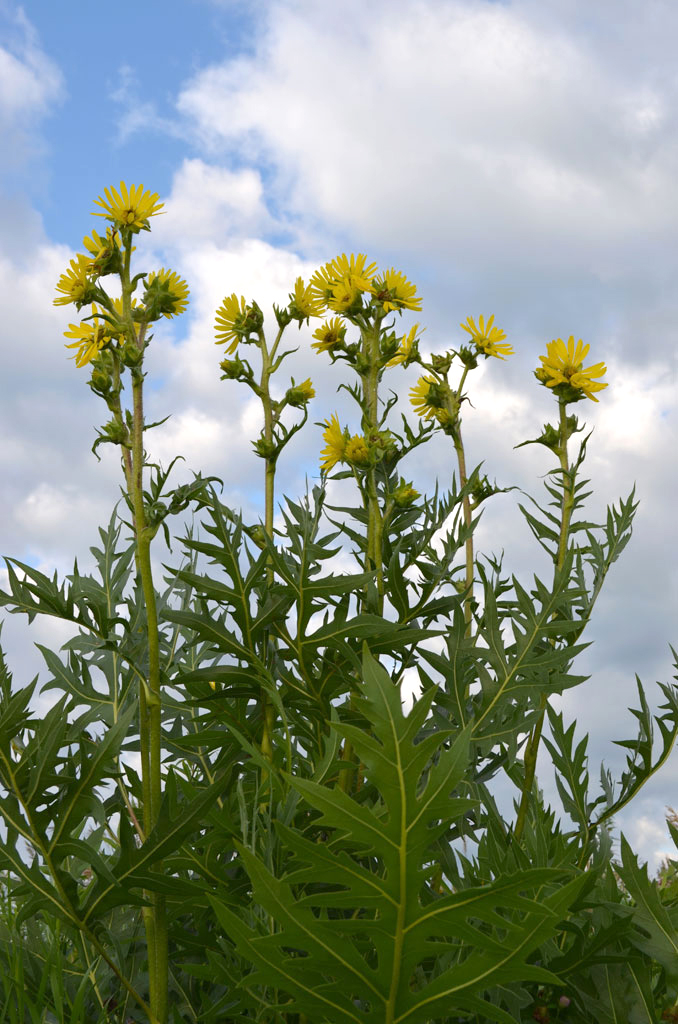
column 360, row 936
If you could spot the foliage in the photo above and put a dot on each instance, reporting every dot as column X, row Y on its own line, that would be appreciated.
column 215, row 807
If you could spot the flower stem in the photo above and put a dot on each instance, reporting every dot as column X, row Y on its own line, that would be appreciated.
column 150, row 721
column 466, row 506
column 150, row 714
column 267, row 358
column 374, row 517
column 567, row 505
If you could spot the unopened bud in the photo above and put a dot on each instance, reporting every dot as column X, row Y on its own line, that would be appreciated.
column 405, row 494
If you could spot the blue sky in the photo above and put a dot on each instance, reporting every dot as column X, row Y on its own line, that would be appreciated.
column 514, row 158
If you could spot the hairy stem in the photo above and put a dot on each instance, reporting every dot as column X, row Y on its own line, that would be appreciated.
column 567, row 505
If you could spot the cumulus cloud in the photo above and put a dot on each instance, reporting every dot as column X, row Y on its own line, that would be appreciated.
column 30, row 83
column 209, row 203
column 502, row 139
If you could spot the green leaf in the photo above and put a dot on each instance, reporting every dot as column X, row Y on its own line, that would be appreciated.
column 355, row 921
column 658, row 937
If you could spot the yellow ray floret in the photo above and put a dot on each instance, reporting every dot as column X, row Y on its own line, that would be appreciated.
column 174, row 288
column 405, row 348
column 231, row 317
column 75, row 282
column 335, row 444
column 90, row 337
column 394, row 291
column 130, row 207
column 330, row 334
column 339, row 282
column 419, row 397
column 486, row 337
column 300, row 394
column 304, row 301
column 564, row 364
column 356, row 451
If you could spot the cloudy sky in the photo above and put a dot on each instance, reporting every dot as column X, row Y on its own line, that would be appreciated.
column 516, row 158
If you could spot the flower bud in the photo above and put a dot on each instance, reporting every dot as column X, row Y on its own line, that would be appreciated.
column 100, row 382
column 116, row 432
column 265, row 449
column 441, row 364
column 233, row 368
column 131, row 354
column 468, row 357
column 283, row 316
column 405, row 494
column 300, row 394
column 564, row 1001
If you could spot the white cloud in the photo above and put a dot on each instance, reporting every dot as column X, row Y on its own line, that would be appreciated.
column 439, row 124
column 210, row 203
column 30, row 83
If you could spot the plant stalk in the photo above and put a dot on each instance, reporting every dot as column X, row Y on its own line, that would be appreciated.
column 532, row 747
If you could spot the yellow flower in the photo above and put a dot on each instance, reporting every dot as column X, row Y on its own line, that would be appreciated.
column 129, row 208
column 486, row 338
column 119, row 331
column 343, row 278
column 335, row 444
column 564, row 365
column 343, row 295
column 169, row 294
column 75, row 282
column 91, row 336
column 432, row 399
column 356, row 450
column 420, row 399
column 394, row 291
column 405, row 349
column 303, row 302
column 329, row 335
column 231, row 317
column 299, row 394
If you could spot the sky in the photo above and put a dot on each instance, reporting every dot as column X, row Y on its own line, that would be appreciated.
column 513, row 158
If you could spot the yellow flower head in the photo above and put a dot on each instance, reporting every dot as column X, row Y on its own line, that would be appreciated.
column 90, row 337
column 563, row 368
column 300, row 394
column 329, row 335
column 303, row 302
column 338, row 283
column 129, row 208
column 335, row 444
column 75, row 282
column 421, row 399
column 344, row 295
column 166, row 293
column 231, row 321
column 356, row 451
column 119, row 331
column 406, row 345
column 486, row 338
column 394, row 291
column 103, row 252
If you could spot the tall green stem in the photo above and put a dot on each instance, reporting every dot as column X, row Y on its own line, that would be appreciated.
column 150, row 721
column 155, row 917
column 374, row 516
column 567, row 505
column 466, row 506
column 267, row 360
